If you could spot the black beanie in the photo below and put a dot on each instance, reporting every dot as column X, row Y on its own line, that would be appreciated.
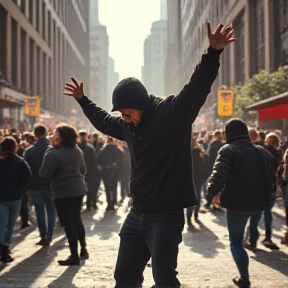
column 130, row 93
column 235, row 129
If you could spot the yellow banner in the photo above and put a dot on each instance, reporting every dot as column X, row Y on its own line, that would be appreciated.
column 225, row 103
column 32, row 106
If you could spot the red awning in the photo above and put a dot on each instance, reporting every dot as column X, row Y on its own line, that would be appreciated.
column 275, row 112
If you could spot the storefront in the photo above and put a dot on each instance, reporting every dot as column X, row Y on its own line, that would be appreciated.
column 11, row 108
column 272, row 113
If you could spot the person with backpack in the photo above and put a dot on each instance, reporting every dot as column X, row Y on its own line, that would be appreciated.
column 242, row 176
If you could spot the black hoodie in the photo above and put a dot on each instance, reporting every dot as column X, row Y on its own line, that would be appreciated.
column 160, row 145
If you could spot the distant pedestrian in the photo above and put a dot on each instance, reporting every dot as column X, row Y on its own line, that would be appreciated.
column 64, row 165
column 39, row 188
column 15, row 175
column 90, row 159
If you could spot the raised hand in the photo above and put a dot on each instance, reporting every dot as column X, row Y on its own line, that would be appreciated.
column 221, row 37
column 76, row 90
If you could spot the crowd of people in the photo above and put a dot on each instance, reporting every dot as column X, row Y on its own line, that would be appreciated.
column 55, row 170
column 238, row 170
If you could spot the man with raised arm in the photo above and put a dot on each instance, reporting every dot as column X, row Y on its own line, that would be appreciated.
column 161, row 183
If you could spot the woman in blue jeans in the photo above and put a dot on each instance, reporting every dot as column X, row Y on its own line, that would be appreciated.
column 15, row 174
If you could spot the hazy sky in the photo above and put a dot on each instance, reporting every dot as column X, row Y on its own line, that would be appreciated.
column 128, row 24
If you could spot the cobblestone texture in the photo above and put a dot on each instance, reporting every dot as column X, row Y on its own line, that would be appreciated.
column 204, row 257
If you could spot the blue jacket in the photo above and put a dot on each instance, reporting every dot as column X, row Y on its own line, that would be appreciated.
column 34, row 156
column 15, row 175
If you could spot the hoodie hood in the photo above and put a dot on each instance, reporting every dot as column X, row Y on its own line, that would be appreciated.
column 130, row 93
column 236, row 129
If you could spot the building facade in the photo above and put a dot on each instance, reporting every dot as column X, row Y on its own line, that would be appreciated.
column 42, row 44
column 112, row 81
column 261, row 29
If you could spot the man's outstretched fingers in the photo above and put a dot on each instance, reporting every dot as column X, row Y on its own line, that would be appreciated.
column 208, row 29
column 75, row 82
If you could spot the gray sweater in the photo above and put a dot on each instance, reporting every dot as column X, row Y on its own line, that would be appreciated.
column 65, row 168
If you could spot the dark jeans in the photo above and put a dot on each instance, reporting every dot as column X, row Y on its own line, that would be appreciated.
column 24, row 209
column 236, row 223
column 43, row 199
column 91, row 194
column 69, row 213
column 145, row 234
column 196, row 208
column 109, row 178
column 254, row 221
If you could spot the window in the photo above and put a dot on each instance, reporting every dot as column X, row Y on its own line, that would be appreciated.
column 14, row 53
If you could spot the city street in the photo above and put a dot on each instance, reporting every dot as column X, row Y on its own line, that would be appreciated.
column 204, row 259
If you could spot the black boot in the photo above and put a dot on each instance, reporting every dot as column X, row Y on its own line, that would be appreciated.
column 242, row 282
column 84, row 255
column 267, row 242
column 71, row 260
column 5, row 256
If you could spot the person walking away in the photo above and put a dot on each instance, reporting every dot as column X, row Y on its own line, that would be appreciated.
column 108, row 160
column 161, row 183
column 15, row 175
column 39, row 188
column 64, row 165
column 242, row 176
column 198, row 177
column 272, row 143
column 213, row 148
column 91, row 167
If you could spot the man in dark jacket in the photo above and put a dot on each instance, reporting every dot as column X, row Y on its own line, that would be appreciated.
column 242, row 174
column 89, row 154
column 161, row 182
column 39, row 188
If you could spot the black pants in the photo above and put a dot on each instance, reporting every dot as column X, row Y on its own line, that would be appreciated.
column 69, row 213
column 24, row 210
column 109, row 178
column 91, row 195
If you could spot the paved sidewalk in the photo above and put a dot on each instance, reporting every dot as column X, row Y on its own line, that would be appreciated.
column 204, row 257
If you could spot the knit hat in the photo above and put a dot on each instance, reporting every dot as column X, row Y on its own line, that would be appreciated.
column 130, row 93
column 235, row 129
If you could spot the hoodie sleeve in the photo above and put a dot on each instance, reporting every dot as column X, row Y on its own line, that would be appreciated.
column 101, row 120
column 194, row 94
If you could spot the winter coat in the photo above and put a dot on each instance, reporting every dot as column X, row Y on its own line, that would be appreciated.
column 15, row 174
column 89, row 159
column 242, row 173
column 65, row 167
column 34, row 156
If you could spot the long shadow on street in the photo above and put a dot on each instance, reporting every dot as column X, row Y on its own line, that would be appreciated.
column 39, row 260
column 272, row 259
column 203, row 241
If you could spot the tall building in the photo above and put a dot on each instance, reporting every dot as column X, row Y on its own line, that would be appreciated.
column 260, row 27
column 112, row 80
column 172, row 61
column 99, row 51
column 42, row 44
column 155, row 53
